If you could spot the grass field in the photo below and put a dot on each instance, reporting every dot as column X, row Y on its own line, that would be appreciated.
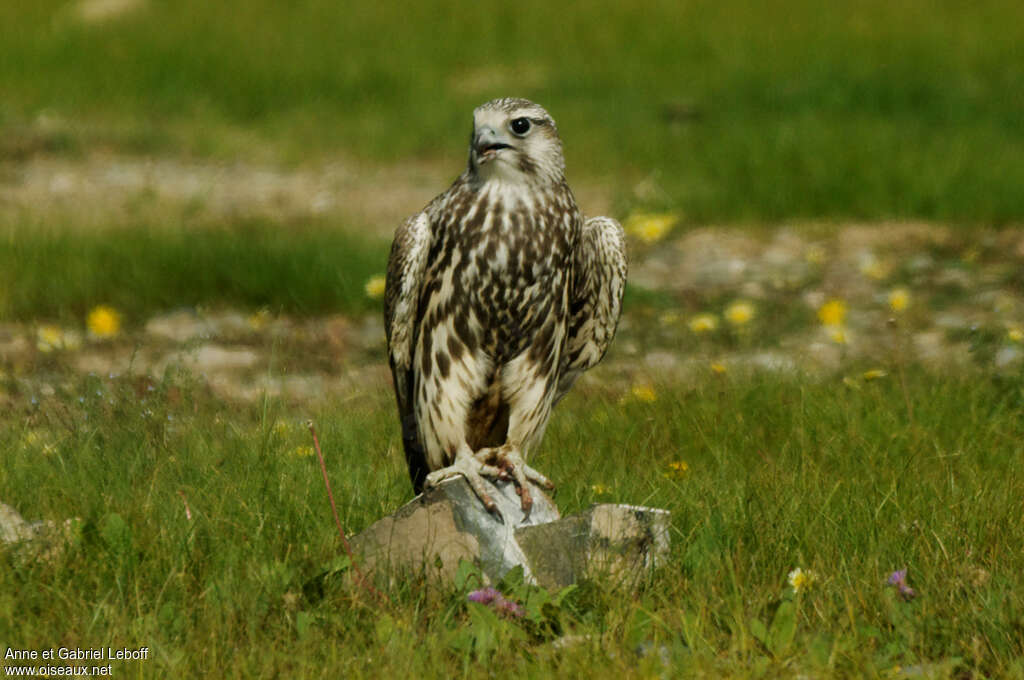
column 57, row 272
column 780, row 474
column 729, row 111
column 809, row 433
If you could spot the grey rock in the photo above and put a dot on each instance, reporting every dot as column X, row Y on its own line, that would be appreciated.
column 610, row 541
column 436, row 530
column 13, row 527
column 447, row 524
column 1008, row 357
column 43, row 539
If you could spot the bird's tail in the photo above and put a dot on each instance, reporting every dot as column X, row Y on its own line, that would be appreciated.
column 415, row 455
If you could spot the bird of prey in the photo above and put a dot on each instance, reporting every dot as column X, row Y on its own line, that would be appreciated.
column 498, row 296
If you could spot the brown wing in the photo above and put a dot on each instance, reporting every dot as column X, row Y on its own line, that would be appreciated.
column 406, row 268
column 595, row 300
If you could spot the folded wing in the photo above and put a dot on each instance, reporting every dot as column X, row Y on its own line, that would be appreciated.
column 595, row 299
column 406, row 269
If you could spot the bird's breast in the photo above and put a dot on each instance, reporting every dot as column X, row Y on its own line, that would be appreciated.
column 511, row 263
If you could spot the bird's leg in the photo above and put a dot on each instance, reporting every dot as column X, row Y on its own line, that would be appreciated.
column 509, row 461
column 473, row 470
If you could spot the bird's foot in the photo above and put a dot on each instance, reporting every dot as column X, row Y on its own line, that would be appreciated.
column 509, row 464
column 473, row 470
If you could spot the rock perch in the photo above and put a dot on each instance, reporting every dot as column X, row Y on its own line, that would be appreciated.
column 436, row 530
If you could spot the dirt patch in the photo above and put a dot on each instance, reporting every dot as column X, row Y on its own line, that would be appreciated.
column 101, row 190
column 865, row 297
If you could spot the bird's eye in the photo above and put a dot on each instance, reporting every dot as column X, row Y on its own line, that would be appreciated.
column 520, row 126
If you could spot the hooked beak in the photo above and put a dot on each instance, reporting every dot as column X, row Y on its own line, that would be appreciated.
column 487, row 143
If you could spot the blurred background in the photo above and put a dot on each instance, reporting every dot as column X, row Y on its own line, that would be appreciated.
column 730, row 111
column 254, row 158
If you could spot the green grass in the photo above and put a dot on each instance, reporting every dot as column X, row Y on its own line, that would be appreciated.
column 719, row 111
column 783, row 472
column 60, row 273
column 733, row 111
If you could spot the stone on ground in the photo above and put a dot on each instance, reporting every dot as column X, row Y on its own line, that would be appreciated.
column 435, row 531
column 43, row 539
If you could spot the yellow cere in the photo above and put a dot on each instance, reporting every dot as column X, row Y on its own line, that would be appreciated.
column 375, row 286
column 103, row 322
column 650, row 228
column 739, row 313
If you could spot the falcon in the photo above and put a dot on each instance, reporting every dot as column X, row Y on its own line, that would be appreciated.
column 499, row 296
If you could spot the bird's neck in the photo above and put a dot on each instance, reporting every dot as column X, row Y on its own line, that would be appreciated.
column 534, row 178
column 515, row 188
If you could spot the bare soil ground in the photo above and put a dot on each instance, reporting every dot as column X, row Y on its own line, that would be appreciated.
column 101, row 190
column 960, row 288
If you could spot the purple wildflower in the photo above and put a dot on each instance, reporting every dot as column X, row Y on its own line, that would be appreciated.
column 898, row 578
column 498, row 602
column 485, row 595
column 509, row 608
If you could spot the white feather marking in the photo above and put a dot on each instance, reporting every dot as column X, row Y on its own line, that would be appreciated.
column 418, row 234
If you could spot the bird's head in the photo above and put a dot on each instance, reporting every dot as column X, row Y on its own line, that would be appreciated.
column 515, row 140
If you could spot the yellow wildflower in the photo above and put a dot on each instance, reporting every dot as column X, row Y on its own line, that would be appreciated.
column 717, row 367
column 874, row 374
column 49, row 338
column 302, row 451
column 650, row 228
column 739, row 313
column 703, row 323
column 600, row 489
column 1015, row 334
column 103, row 322
column 644, row 393
column 678, row 468
column 832, row 313
column 836, row 334
column 801, row 580
column 899, row 299
column 375, row 286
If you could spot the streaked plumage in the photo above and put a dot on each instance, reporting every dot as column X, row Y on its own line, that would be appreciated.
column 498, row 297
